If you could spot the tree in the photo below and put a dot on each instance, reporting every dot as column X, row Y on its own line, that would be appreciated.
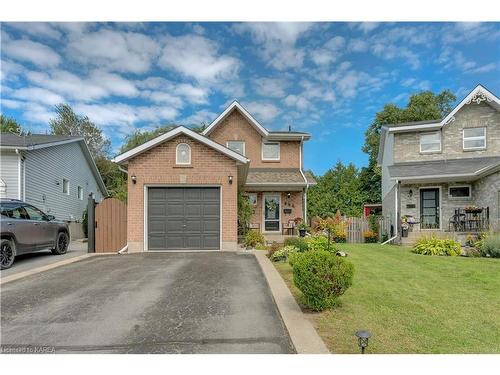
column 68, row 122
column 421, row 107
column 10, row 125
column 339, row 189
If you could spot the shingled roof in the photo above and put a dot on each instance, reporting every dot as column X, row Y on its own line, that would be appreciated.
column 278, row 176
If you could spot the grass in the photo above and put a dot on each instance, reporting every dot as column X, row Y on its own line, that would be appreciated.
column 412, row 303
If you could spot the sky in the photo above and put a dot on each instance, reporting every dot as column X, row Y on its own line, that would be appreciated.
column 328, row 79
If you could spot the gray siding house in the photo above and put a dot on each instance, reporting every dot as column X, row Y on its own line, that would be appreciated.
column 443, row 176
column 54, row 173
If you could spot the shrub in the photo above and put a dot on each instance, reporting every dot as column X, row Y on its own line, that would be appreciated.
column 321, row 277
column 273, row 248
column 299, row 242
column 283, row 254
column 253, row 238
column 436, row 246
column 335, row 227
column 320, row 242
column 491, row 246
column 370, row 236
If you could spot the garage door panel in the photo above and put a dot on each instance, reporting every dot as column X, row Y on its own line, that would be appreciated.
column 183, row 218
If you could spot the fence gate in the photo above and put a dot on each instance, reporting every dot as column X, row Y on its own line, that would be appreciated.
column 110, row 225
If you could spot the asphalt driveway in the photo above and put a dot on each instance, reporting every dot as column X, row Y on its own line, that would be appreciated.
column 145, row 303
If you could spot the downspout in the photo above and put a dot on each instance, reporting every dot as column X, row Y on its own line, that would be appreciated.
column 304, row 177
column 396, row 215
column 122, row 169
column 18, row 173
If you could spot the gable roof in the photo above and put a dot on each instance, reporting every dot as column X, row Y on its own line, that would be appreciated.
column 123, row 158
column 236, row 106
column 10, row 141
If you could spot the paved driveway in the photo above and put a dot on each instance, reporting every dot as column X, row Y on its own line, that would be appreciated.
column 146, row 303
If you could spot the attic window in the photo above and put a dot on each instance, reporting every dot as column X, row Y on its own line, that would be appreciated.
column 183, row 154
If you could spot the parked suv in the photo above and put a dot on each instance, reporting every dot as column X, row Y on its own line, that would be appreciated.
column 26, row 229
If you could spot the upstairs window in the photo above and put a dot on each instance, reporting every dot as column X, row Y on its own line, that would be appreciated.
column 65, row 186
column 474, row 138
column 80, row 193
column 237, row 146
column 270, row 151
column 430, row 142
column 183, row 154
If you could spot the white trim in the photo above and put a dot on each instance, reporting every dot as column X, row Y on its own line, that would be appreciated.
column 235, row 140
column 42, row 145
column 177, row 162
column 275, row 183
column 431, row 151
column 18, row 174
column 430, row 126
column 263, row 131
column 478, row 173
column 68, row 192
column 173, row 133
column 475, row 138
column 78, row 188
column 283, row 136
column 460, row 186
column 145, row 217
column 262, row 150
column 420, row 188
column 304, row 197
column 272, row 194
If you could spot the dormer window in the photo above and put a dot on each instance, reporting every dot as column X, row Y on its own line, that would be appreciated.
column 271, row 151
column 474, row 139
column 430, row 142
column 183, row 154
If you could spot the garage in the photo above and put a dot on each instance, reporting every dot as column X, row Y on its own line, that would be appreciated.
column 183, row 218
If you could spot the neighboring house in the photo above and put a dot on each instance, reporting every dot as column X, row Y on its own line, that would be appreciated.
column 444, row 175
column 183, row 186
column 54, row 173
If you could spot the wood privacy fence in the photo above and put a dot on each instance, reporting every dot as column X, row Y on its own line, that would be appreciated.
column 110, row 225
column 356, row 226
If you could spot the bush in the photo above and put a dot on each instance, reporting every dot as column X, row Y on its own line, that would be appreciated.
column 272, row 249
column 339, row 238
column 320, row 242
column 370, row 236
column 299, row 242
column 436, row 246
column 321, row 277
column 253, row 238
column 283, row 254
column 491, row 246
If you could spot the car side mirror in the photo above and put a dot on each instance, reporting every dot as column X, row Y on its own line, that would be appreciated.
column 50, row 217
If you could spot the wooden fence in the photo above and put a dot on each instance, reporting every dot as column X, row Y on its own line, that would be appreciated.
column 356, row 226
column 110, row 225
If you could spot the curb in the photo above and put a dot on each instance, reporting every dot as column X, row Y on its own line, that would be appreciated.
column 304, row 337
column 34, row 271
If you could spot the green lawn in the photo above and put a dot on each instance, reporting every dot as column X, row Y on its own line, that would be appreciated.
column 413, row 303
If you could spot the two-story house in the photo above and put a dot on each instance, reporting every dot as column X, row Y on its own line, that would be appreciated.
column 183, row 186
column 444, row 175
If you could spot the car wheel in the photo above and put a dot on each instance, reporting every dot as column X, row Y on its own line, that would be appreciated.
column 62, row 243
column 7, row 253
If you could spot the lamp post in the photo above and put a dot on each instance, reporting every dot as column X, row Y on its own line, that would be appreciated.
column 363, row 337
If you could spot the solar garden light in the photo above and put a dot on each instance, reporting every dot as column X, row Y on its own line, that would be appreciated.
column 363, row 337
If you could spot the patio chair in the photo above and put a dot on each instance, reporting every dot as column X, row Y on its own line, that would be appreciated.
column 289, row 227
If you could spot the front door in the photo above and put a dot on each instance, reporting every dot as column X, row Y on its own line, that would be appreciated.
column 429, row 208
column 271, row 212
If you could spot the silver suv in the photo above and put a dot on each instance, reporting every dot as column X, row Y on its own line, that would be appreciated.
column 26, row 229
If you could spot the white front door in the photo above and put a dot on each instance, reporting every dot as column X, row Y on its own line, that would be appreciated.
column 271, row 209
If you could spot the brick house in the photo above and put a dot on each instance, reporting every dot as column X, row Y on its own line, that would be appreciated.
column 443, row 176
column 183, row 186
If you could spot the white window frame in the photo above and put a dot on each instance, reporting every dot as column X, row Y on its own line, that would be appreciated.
column 243, row 142
column 177, row 154
column 460, row 186
column 273, row 143
column 475, row 138
column 79, row 192
column 431, row 151
column 68, row 191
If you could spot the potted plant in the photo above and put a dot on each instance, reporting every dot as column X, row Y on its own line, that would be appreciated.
column 473, row 210
column 302, row 229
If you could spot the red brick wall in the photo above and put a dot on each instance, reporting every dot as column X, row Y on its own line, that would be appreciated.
column 157, row 166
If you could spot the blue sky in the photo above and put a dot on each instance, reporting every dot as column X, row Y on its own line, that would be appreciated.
column 325, row 78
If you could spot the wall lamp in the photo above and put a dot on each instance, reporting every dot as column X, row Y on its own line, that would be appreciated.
column 410, row 193
column 230, row 179
column 134, row 179
column 289, row 195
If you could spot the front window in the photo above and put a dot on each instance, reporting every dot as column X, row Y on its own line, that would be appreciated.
column 270, row 151
column 65, row 186
column 183, row 154
column 237, row 146
column 430, row 142
column 474, row 138
column 458, row 192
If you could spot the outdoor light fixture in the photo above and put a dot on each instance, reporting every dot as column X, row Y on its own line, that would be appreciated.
column 230, row 179
column 289, row 195
column 134, row 179
column 363, row 337
column 410, row 193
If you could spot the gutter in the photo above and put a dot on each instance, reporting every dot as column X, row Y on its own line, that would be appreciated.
column 122, row 169
column 304, row 177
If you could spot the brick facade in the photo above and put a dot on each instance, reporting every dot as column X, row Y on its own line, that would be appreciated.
column 157, row 166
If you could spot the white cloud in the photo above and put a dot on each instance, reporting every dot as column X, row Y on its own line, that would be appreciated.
column 357, row 45
column 365, row 27
column 27, row 50
column 392, row 51
column 9, row 70
column 299, row 102
column 262, row 111
column 271, row 87
column 114, row 50
column 484, row 68
column 408, row 82
column 400, row 97
column 203, row 116
column 37, row 94
column 157, row 85
column 330, row 51
column 197, row 57
column 455, row 59
column 37, row 29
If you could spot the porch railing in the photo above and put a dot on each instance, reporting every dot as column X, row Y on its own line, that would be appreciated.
column 473, row 219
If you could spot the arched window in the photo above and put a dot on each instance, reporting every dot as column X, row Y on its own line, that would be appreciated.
column 183, row 154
